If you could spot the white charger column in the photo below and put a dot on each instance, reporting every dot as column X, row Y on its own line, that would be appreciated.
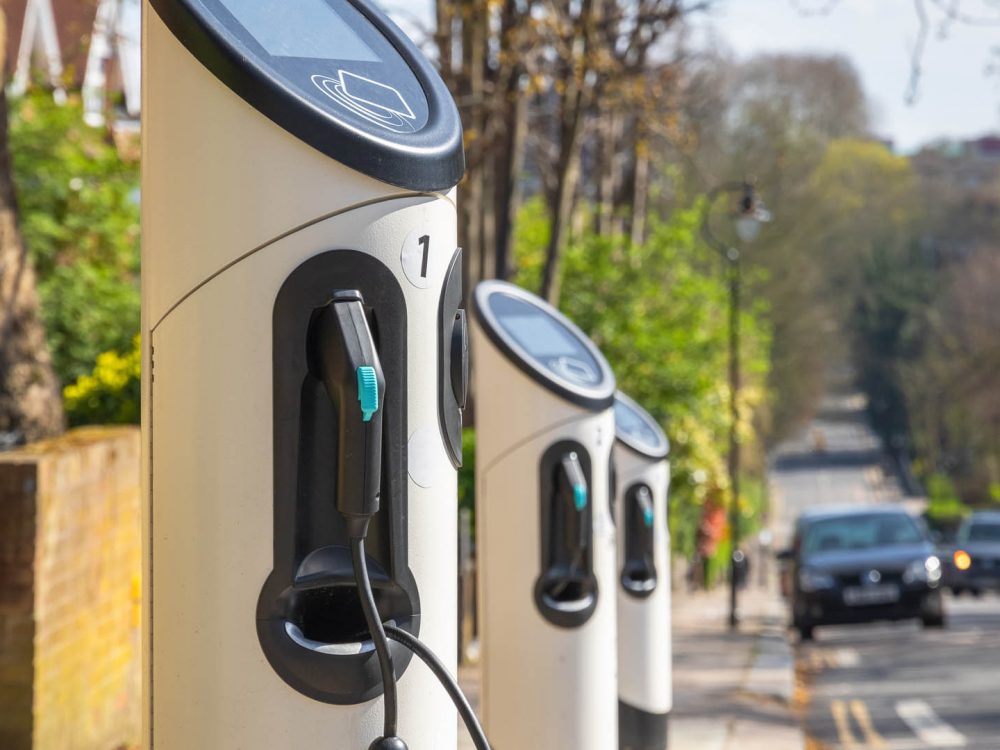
column 293, row 153
column 645, row 659
column 546, row 543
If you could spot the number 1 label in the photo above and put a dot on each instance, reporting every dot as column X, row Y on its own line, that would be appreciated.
column 425, row 242
column 417, row 259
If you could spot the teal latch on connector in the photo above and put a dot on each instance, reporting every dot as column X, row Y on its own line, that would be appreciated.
column 647, row 516
column 580, row 496
column 367, row 392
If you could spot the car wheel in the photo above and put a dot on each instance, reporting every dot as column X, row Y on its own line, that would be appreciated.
column 957, row 591
column 976, row 592
column 806, row 632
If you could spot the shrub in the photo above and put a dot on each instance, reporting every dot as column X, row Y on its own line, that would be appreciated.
column 109, row 394
column 943, row 503
column 78, row 203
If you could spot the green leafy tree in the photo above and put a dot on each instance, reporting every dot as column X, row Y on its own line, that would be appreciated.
column 79, row 207
column 658, row 313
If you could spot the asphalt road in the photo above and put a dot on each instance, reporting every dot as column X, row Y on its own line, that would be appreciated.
column 887, row 686
column 898, row 687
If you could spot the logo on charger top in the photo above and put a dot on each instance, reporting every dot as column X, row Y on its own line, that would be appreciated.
column 378, row 103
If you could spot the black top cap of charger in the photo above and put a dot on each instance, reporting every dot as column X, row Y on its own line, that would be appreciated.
column 337, row 74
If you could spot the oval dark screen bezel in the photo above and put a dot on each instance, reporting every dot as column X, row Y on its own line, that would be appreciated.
column 596, row 398
column 430, row 159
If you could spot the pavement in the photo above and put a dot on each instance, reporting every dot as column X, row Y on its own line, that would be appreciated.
column 733, row 690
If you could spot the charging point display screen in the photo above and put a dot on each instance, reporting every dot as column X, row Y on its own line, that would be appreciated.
column 540, row 336
column 632, row 424
column 546, row 340
column 330, row 54
column 305, row 28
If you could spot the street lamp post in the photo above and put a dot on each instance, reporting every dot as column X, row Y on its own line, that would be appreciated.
column 748, row 217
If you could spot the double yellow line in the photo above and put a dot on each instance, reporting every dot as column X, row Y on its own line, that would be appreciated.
column 842, row 712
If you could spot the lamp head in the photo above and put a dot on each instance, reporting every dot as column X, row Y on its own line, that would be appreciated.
column 752, row 214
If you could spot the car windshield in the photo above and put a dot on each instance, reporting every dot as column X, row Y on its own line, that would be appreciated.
column 860, row 532
column 983, row 532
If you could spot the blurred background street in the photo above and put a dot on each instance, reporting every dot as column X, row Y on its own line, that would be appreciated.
column 885, row 686
column 778, row 221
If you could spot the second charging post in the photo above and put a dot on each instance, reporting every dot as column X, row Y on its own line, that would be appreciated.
column 642, row 477
column 546, row 540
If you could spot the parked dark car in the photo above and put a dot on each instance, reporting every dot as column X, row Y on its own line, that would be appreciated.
column 974, row 563
column 862, row 565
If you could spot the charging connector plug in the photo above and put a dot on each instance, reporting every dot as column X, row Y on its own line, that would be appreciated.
column 343, row 357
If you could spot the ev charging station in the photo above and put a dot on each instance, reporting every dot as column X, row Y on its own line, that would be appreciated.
column 645, row 660
column 304, row 373
column 546, row 549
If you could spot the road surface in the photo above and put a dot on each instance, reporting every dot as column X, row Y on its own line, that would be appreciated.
column 887, row 686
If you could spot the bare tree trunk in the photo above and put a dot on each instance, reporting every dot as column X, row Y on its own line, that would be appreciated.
column 471, row 91
column 487, row 219
column 640, row 190
column 509, row 163
column 30, row 398
column 561, row 210
column 512, row 110
column 574, row 104
column 477, row 19
column 610, row 135
column 443, row 36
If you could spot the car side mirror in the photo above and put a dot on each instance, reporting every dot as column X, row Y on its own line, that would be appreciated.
column 785, row 555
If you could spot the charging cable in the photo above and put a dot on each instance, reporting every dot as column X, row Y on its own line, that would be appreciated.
column 380, row 634
column 389, row 740
column 448, row 682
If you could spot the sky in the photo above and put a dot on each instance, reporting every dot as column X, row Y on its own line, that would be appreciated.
column 956, row 97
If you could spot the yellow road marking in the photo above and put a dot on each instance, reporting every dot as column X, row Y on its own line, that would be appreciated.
column 872, row 737
column 843, row 721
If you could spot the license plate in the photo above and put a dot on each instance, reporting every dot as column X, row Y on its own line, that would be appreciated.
column 859, row 596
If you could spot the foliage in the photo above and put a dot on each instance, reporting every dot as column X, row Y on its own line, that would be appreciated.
column 467, row 474
column 888, row 333
column 773, row 116
column 658, row 312
column 79, row 214
column 917, row 289
column 540, row 85
column 110, row 394
column 753, row 507
column 943, row 503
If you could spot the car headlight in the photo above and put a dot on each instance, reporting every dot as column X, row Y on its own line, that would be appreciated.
column 811, row 580
column 923, row 571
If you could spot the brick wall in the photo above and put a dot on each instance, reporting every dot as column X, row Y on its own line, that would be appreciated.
column 17, row 597
column 69, row 592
